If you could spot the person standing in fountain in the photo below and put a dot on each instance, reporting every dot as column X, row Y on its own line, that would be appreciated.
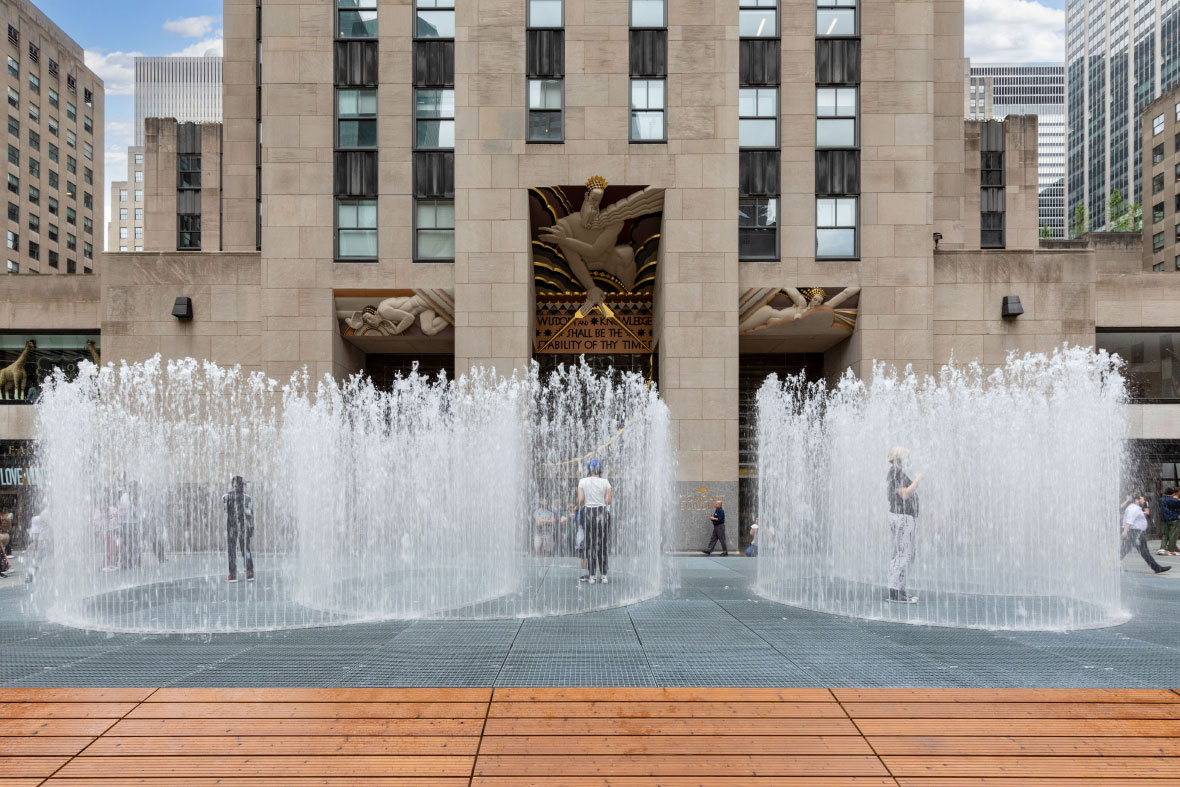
column 1135, row 533
column 718, row 520
column 903, row 515
column 239, row 525
column 594, row 494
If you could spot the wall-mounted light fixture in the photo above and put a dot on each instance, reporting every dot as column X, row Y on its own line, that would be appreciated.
column 937, row 238
column 183, row 309
column 1011, row 308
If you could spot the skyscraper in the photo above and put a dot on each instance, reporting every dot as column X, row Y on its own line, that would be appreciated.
column 1119, row 58
column 187, row 89
column 995, row 91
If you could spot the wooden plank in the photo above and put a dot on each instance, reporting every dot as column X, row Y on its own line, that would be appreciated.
column 48, row 727
column 665, row 709
column 29, row 767
column 42, row 747
column 1024, row 727
column 309, row 710
column 671, row 744
column 65, row 710
column 396, row 727
column 685, row 781
column 20, row 694
column 118, row 767
column 321, row 695
column 1010, row 710
column 987, row 781
column 1005, row 695
column 1025, row 746
column 23, row 782
column 678, row 765
column 1027, row 767
column 664, row 726
column 264, row 781
column 649, row 694
column 271, row 745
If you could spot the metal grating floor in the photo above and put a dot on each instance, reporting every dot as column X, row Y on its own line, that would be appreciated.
column 708, row 630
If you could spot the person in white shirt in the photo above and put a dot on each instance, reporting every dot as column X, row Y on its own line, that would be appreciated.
column 594, row 493
column 1135, row 533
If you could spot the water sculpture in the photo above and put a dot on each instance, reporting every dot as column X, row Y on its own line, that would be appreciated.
column 1018, row 519
column 368, row 504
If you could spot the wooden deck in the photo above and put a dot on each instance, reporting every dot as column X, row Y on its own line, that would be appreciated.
column 626, row 737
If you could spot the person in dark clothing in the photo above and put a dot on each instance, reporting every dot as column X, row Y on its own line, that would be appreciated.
column 903, row 515
column 1135, row 533
column 718, row 520
column 1169, row 522
column 239, row 525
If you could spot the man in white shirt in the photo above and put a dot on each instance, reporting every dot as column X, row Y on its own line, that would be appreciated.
column 1135, row 533
column 594, row 493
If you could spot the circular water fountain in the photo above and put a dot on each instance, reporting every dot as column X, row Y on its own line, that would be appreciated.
column 423, row 501
column 1017, row 524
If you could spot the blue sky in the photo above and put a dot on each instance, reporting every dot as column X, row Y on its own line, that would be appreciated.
column 113, row 31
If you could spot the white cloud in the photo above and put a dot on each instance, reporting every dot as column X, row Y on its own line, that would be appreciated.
column 191, row 26
column 117, row 70
column 1014, row 31
column 202, row 48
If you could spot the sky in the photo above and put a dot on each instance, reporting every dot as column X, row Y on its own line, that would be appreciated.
column 113, row 32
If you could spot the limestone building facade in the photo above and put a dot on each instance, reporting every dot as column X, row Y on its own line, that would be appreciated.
column 702, row 191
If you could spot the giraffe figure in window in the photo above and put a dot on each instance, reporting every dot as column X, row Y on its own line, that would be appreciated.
column 13, row 378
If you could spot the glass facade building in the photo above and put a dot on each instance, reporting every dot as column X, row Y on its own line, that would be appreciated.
column 996, row 91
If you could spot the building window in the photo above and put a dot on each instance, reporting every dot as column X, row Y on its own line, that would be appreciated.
column 88, row 225
column 1157, row 183
column 71, row 139
column 54, row 151
column 88, row 251
column 758, row 228
column 34, row 52
column 138, row 232
column 34, row 223
column 122, row 248
column 122, row 214
column 87, row 200
column 138, row 159
column 71, row 242
column 123, row 234
column 991, row 168
column 13, row 266
column 13, row 241
column 1157, row 154
column 649, row 13
column 88, row 97
column 71, row 190
column 434, row 224
column 545, row 13
column 87, row 123
column 356, row 229
column 434, row 19
column 54, row 100
column 758, row 117
column 139, row 214
column 53, row 179
column 53, row 232
column 13, row 212
column 434, row 116
column 1157, row 213
column 647, row 110
column 13, row 35
column 122, row 195
column 139, row 195
column 139, row 176
column 835, row 227
column 13, row 67
column 53, row 258
column 1157, row 125
column 835, row 18
column 356, row 18
column 13, row 183
column 52, row 125
column 88, row 151
column 34, row 140
column 88, row 176
column 34, row 250
column 188, row 171
column 14, row 155
column 546, row 100
column 71, row 164
column 356, row 118
column 71, row 266
column 34, row 167
column 52, row 205
column 1157, row 241
column 13, row 98
column 71, row 111
column 835, row 117
column 34, row 112
column 758, row 19
column 71, row 216
column 35, row 83
column 13, row 126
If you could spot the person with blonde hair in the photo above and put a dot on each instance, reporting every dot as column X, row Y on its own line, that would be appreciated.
column 903, row 514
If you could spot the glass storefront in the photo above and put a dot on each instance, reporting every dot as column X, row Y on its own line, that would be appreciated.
column 1153, row 366
column 37, row 355
column 18, row 483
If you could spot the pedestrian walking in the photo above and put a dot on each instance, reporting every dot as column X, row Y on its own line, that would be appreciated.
column 718, row 520
column 752, row 547
column 594, row 495
column 1135, row 533
column 903, row 516
column 239, row 526
column 1169, row 522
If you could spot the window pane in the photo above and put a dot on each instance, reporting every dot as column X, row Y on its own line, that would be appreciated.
column 835, row 22
column 835, row 133
column 436, row 24
column 436, row 133
column 647, row 125
column 756, row 133
column 757, row 23
column 358, row 243
column 825, row 212
column 358, row 133
column 846, row 212
column 356, row 103
column 356, row 3
column 544, row 94
column 434, row 104
column 757, row 243
column 436, row 244
column 545, row 13
column 358, row 24
column 835, row 243
column 647, row 13
column 545, row 126
column 846, row 102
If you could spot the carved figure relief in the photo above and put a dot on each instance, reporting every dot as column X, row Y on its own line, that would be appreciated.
column 760, row 308
column 14, row 380
column 434, row 310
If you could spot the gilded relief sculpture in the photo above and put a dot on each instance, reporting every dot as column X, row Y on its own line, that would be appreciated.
column 758, row 309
